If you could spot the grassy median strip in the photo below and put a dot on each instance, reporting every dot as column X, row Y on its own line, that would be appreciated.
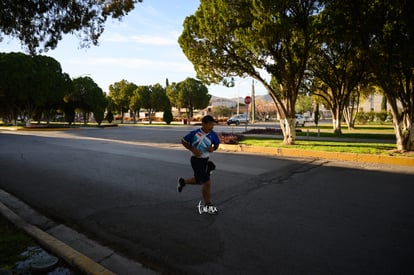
column 327, row 146
column 365, row 140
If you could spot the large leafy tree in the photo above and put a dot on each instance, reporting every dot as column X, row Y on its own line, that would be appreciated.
column 153, row 98
column 49, row 85
column 340, row 71
column 135, row 103
column 173, row 95
column 40, row 25
column 16, row 72
column 389, row 39
column 267, row 40
column 338, row 64
column 30, row 84
column 120, row 94
column 190, row 94
column 89, row 98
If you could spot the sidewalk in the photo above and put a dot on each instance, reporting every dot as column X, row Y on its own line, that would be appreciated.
column 74, row 248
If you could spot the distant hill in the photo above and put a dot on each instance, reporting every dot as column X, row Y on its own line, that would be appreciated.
column 232, row 102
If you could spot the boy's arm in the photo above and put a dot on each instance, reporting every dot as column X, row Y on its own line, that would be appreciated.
column 188, row 146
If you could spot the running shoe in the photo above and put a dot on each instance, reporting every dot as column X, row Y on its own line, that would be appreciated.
column 211, row 209
column 180, row 185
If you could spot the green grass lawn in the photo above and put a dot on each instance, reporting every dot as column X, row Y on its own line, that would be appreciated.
column 365, row 136
column 327, row 146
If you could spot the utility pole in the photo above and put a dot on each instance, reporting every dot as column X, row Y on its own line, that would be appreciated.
column 253, row 103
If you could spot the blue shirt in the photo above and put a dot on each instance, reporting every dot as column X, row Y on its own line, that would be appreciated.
column 202, row 141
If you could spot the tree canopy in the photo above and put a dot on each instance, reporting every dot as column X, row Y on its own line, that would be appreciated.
column 337, row 46
column 190, row 94
column 338, row 65
column 267, row 40
column 153, row 98
column 388, row 43
column 120, row 94
column 30, row 84
column 88, row 97
column 40, row 25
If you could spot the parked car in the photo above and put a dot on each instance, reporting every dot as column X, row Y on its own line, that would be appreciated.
column 300, row 120
column 242, row 118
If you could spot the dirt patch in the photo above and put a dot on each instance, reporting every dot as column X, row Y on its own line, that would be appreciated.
column 408, row 154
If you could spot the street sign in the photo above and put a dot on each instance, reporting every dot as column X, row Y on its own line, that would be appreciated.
column 247, row 100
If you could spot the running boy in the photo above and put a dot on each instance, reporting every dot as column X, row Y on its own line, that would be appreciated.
column 201, row 142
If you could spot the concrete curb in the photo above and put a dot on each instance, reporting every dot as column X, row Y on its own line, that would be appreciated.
column 68, row 254
column 301, row 153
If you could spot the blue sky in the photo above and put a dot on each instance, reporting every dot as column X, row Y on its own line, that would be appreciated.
column 142, row 49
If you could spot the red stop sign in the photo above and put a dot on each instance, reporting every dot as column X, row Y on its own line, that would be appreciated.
column 247, row 99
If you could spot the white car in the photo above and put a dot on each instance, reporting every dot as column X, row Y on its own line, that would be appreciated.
column 300, row 120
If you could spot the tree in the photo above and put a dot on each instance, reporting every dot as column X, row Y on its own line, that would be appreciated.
column 338, row 61
column 167, row 116
column 42, row 24
column 192, row 94
column 153, row 98
column 264, row 108
column 69, row 110
column 221, row 111
column 99, row 109
column 135, row 104
column 388, row 42
column 49, row 86
column 110, row 109
column 16, row 71
column 30, row 85
column 303, row 103
column 88, row 97
column 227, row 38
column 120, row 94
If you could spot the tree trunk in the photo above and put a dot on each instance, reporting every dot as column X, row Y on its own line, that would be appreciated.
column 350, row 112
column 350, row 115
column 336, row 121
column 85, row 118
column 150, row 116
column 122, row 117
column 134, row 116
column 289, row 130
column 404, row 131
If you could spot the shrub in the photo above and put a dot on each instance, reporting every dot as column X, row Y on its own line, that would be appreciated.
column 230, row 138
column 167, row 116
column 110, row 117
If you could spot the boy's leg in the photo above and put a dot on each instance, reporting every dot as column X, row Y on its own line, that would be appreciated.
column 206, row 191
column 210, row 208
column 182, row 182
column 190, row 181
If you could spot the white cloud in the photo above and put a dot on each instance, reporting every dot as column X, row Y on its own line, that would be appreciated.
column 142, row 39
column 154, row 40
column 135, row 63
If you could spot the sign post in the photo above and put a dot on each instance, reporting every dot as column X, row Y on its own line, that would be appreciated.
column 247, row 101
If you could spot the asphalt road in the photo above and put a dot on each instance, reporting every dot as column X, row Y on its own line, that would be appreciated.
column 277, row 216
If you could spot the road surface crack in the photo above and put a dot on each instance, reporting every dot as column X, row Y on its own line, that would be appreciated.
column 300, row 168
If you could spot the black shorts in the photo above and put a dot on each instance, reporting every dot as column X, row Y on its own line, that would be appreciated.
column 199, row 166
